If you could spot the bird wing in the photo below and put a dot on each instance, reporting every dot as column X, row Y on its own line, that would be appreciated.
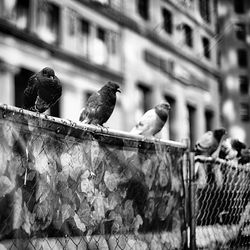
column 148, row 125
column 30, row 92
column 93, row 106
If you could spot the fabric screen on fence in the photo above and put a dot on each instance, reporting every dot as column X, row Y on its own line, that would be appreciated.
column 66, row 186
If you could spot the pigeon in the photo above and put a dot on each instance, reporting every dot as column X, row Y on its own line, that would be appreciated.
column 152, row 121
column 231, row 149
column 244, row 156
column 100, row 105
column 43, row 91
column 209, row 144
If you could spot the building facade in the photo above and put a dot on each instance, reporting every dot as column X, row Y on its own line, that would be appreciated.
column 156, row 50
column 235, row 64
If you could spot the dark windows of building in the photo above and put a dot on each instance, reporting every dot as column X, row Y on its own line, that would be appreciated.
column 209, row 119
column 206, row 47
column 205, row 12
column 21, row 80
column 145, row 97
column 100, row 50
column 244, row 112
column 16, row 12
column 101, row 34
column 243, row 84
column 188, row 35
column 240, row 31
column 239, row 6
column 84, row 29
column 167, row 21
column 192, row 124
column 84, row 26
column 171, row 118
column 143, row 8
column 242, row 58
column 48, row 22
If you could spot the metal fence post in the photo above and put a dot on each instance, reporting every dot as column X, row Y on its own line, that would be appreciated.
column 185, row 172
column 192, row 202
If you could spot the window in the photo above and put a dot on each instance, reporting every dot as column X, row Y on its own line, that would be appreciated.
column 244, row 86
column 240, row 31
column 143, row 8
column 48, row 22
column 145, row 97
column 244, row 111
column 171, row 118
column 192, row 124
column 16, row 12
column 21, row 80
column 209, row 119
column 239, row 7
column 167, row 20
column 83, row 43
column 206, row 47
column 188, row 33
column 205, row 10
column 100, row 51
column 101, row 34
column 242, row 58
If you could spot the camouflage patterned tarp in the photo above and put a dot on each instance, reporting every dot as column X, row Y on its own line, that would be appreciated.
column 64, row 186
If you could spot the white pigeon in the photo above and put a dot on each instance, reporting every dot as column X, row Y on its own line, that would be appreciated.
column 152, row 121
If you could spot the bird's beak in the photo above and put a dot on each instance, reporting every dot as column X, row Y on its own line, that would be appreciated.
column 118, row 90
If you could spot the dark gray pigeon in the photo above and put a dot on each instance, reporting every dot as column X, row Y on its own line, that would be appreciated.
column 209, row 144
column 231, row 149
column 244, row 156
column 100, row 105
column 152, row 121
column 43, row 91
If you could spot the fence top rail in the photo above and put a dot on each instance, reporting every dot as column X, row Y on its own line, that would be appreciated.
column 229, row 163
column 8, row 111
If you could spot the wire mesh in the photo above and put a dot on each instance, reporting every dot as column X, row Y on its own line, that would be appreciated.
column 65, row 186
column 222, row 204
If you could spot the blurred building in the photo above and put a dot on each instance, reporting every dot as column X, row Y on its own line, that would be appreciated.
column 156, row 50
column 234, row 41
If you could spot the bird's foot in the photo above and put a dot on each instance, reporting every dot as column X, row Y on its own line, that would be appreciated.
column 102, row 127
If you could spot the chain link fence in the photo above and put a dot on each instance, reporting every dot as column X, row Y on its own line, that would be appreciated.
column 68, row 186
column 222, row 204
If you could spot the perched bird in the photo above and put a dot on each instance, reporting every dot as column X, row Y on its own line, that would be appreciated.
column 100, row 105
column 244, row 156
column 231, row 149
column 209, row 143
column 152, row 121
column 43, row 91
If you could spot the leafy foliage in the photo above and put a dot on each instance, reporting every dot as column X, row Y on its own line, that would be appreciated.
column 59, row 184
